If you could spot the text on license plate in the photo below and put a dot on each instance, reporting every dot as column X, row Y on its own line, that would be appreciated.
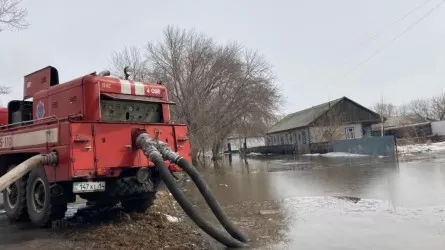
column 83, row 187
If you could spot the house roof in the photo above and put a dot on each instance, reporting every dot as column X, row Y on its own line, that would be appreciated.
column 305, row 117
column 302, row 118
column 400, row 121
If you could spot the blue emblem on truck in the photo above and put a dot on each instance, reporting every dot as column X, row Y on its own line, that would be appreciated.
column 40, row 110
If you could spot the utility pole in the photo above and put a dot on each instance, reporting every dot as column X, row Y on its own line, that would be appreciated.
column 382, row 120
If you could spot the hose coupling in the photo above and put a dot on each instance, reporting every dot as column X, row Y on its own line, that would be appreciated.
column 169, row 154
column 50, row 159
column 142, row 140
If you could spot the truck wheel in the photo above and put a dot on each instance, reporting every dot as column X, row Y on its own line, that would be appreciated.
column 40, row 210
column 144, row 200
column 139, row 205
column 14, row 199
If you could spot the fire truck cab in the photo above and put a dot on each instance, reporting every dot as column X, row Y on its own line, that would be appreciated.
column 88, row 122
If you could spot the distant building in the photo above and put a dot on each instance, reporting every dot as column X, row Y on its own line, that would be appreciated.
column 407, row 126
column 311, row 129
column 438, row 128
column 236, row 142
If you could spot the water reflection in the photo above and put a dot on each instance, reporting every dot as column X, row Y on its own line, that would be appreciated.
column 344, row 203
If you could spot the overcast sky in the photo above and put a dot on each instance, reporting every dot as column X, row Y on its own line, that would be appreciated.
column 310, row 43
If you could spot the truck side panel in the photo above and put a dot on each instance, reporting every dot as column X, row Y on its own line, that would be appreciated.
column 113, row 144
column 32, row 137
column 62, row 172
column 22, row 141
column 82, row 150
column 66, row 102
column 182, row 142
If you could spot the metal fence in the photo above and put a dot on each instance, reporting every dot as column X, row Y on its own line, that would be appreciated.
column 375, row 146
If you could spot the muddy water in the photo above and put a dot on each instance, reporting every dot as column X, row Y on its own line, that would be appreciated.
column 314, row 203
column 319, row 203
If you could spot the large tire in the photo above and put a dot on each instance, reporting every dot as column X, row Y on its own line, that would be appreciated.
column 14, row 199
column 145, row 199
column 38, row 198
column 139, row 205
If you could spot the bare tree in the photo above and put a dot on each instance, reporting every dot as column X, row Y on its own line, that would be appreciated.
column 252, row 100
column 132, row 57
column 385, row 110
column 438, row 106
column 402, row 110
column 216, row 87
column 420, row 108
column 12, row 16
column 329, row 126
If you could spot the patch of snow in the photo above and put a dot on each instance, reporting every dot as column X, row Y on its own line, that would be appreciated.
column 269, row 212
column 408, row 150
column 172, row 218
column 254, row 154
column 337, row 154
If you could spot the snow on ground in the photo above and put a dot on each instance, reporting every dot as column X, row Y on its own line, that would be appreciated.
column 171, row 218
column 338, row 154
column 406, row 150
column 421, row 148
column 254, row 154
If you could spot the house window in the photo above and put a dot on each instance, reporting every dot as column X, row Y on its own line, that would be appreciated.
column 350, row 133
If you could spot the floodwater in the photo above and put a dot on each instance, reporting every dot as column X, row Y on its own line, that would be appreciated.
column 317, row 203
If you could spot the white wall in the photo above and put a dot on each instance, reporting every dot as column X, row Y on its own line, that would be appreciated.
column 237, row 143
column 338, row 133
column 297, row 136
column 438, row 127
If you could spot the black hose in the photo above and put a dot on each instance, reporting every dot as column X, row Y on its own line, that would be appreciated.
column 210, row 199
column 170, row 182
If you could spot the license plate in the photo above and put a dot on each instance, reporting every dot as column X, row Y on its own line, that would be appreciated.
column 85, row 187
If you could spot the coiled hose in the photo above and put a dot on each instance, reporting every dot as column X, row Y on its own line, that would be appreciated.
column 155, row 156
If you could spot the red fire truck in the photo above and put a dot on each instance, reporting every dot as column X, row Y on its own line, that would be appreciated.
column 88, row 123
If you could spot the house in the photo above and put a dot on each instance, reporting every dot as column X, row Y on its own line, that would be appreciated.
column 311, row 129
column 237, row 142
column 438, row 128
column 406, row 126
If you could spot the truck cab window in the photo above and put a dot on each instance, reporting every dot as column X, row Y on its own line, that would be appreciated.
column 19, row 111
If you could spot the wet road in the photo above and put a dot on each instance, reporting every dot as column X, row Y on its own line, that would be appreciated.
column 317, row 203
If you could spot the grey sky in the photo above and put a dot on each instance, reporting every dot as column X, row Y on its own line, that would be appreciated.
column 311, row 43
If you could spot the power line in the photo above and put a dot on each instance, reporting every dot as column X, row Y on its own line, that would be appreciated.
column 379, row 50
column 382, row 31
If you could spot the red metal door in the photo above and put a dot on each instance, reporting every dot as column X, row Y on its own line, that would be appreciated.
column 82, row 150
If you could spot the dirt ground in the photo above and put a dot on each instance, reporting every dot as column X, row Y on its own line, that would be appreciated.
column 162, row 227
column 159, row 228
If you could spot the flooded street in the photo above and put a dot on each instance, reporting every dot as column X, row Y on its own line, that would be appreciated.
column 319, row 203
column 313, row 203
